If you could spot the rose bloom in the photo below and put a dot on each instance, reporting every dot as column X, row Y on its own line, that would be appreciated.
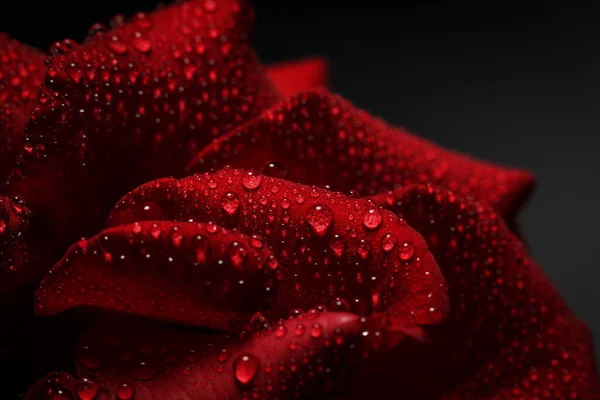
column 210, row 259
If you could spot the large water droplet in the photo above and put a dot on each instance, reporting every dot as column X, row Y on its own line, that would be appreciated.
column 125, row 391
column 372, row 219
column 245, row 368
column 141, row 44
column 274, row 170
column 320, row 218
column 251, row 180
column 230, row 203
column 406, row 251
column 87, row 388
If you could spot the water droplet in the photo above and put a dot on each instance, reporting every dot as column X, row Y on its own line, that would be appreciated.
column 144, row 371
column 299, row 330
column 238, row 255
column 176, row 237
column 372, row 219
column 125, row 391
column 141, row 44
column 406, row 251
column 320, row 219
column 230, row 203
column 251, row 180
column 388, row 242
column 337, row 245
column 245, row 368
column 274, row 170
column 280, row 331
column 117, row 45
column 316, row 331
column 259, row 321
column 87, row 388
column 224, row 355
column 339, row 304
column 299, row 199
column 89, row 357
column 353, row 194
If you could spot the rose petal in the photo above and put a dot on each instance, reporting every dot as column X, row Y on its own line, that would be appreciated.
column 310, row 355
column 134, row 104
column 322, row 139
column 328, row 245
column 54, row 386
column 12, row 123
column 184, row 272
column 19, row 258
column 292, row 77
column 21, row 73
column 509, row 334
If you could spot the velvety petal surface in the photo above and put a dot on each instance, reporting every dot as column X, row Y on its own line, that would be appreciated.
column 331, row 248
column 135, row 103
column 509, row 335
column 322, row 139
column 21, row 73
column 185, row 272
column 292, row 77
column 311, row 355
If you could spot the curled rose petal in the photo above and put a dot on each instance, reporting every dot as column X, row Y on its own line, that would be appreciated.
column 509, row 333
column 292, row 77
column 322, row 139
column 136, row 103
column 186, row 272
column 21, row 73
column 331, row 248
column 309, row 355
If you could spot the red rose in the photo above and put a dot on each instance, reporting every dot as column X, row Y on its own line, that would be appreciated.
column 232, row 272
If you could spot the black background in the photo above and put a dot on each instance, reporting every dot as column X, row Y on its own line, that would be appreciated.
column 516, row 84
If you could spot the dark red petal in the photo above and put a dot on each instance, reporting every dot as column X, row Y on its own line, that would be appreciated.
column 19, row 259
column 308, row 355
column 322, row 139
column 12, row 123
column 312, row 355
column 186, row 272
column 137, row 103
column 292, row 77
column 328, row 245
column 21, row 73
column 510, row 335
column 54, row 386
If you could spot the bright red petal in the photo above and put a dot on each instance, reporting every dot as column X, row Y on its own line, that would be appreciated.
column 327, row 244
column 21, row 73
column 292, row 77
column 184, row 272
column 509, row 335
column 136, row 103
column 322, row 139
column 310, row 356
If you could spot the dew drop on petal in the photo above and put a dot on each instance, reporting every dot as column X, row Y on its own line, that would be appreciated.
column 230, row 203
column 274, row 170
column 406, row 251
column 87, row 388
column 320, row 218
column 238, row 255
column 372, row 219
column 245, row 368
column 251, row 180
column 388, row 242
column 125, row 391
